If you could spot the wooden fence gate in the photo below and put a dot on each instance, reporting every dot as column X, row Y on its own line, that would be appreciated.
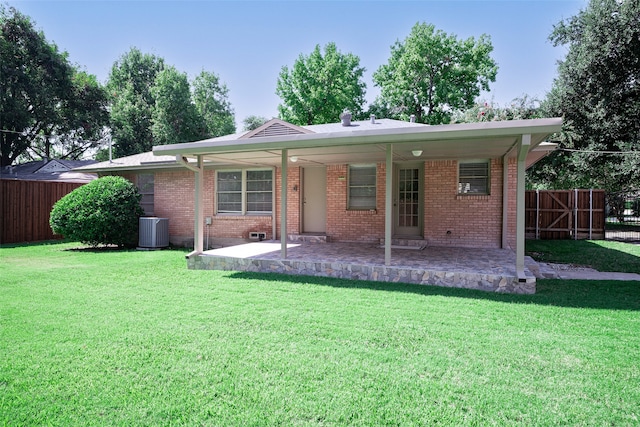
column 565, row 214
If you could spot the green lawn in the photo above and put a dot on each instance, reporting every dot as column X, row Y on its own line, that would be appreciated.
column 603, row 255
column 134, row 338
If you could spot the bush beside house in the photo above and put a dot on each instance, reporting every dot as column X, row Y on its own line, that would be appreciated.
column 105, row 211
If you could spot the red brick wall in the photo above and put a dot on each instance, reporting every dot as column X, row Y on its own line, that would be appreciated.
column 352, row 225
column 293, row 200
column 473, row 221
column 174, row 199
column 461, row 220
column 511, row 204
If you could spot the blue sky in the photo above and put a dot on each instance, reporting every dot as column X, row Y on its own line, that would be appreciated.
column 247, row 43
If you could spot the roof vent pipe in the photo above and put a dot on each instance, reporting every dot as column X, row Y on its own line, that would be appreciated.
column 346, row 118
column 373, row 118
column 412, row 118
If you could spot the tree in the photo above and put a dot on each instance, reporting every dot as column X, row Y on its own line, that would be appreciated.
column 130, row 87
column 321, row 86
column 152, row 104
column 253, row 122
column 431, row 74
column 47, row 106
column 82, row 120
column 174, row 117
column 211, row 98
column 518, row 109
column 104, row 211
column 597, row 91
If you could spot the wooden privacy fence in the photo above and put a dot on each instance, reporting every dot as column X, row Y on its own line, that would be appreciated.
column 25, row 207
column 565, row 214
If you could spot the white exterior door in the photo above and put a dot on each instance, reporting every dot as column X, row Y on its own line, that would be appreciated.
column 314, row 200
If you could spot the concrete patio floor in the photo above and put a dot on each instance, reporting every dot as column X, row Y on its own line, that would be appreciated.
column 483, row 269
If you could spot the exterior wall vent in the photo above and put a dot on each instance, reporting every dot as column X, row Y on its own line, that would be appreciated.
column 153, row 232
column 257, row 236
column 276, row 129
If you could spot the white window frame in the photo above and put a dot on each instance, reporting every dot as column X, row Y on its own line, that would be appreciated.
column 146, row 189
column 464, row 188
column 350, row 205
column 244, row 192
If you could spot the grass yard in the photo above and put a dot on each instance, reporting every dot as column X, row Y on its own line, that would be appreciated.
column 603, row 255
column 134, row 338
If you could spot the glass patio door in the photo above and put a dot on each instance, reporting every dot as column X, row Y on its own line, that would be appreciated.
column 408, row 204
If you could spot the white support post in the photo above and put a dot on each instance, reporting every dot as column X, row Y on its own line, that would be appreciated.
column 198, row 229
column 523, row 149
column 283, row 205
column 388, row 205
column 505, row 200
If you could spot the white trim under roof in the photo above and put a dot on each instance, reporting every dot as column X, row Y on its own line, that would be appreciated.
column 368, row 143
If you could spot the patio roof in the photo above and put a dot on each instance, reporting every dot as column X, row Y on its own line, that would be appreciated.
column 366, row 142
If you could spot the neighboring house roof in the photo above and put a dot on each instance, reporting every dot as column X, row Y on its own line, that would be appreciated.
column 362, row 142
column 49, row 170
column 142, row 161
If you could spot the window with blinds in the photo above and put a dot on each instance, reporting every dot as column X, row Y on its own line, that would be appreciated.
column 243, row 192
column 259, row 191
column 473, row 177
column 362, row 187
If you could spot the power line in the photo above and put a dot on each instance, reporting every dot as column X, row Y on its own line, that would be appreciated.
column 598, row 152
column 52, row 136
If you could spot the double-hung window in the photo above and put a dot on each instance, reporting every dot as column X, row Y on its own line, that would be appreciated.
column 259, row 194
column 244, row 191
column 362, row 187
column 146, row 190
column 473, row 177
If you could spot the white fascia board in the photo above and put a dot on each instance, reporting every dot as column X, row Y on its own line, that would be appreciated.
column 372, row 136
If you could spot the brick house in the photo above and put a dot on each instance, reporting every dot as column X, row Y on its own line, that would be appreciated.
column 458, row 185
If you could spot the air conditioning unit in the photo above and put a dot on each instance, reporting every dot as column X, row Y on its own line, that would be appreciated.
column 153, row 232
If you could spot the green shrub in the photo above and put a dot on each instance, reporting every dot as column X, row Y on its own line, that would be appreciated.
column 104, row 211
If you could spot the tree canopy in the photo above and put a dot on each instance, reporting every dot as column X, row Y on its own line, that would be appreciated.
column 253, row 122
column 130, row 87
column 174, row 117
column 47, row 106
column 155, row 104
column 211, row 98
column 597, row 91
column 520, row 108
column 431, row 74
column 321, row 86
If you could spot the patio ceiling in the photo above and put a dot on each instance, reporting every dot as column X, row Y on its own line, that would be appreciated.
column 460, row 141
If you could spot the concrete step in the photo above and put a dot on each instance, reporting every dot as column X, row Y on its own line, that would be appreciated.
column 400, row 243
column 308, row 238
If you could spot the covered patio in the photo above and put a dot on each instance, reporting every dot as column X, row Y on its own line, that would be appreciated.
column 497, row 266
column 483, row 269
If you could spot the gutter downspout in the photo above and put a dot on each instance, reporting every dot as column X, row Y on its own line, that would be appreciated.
column 523, row 149
column 198, row 230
